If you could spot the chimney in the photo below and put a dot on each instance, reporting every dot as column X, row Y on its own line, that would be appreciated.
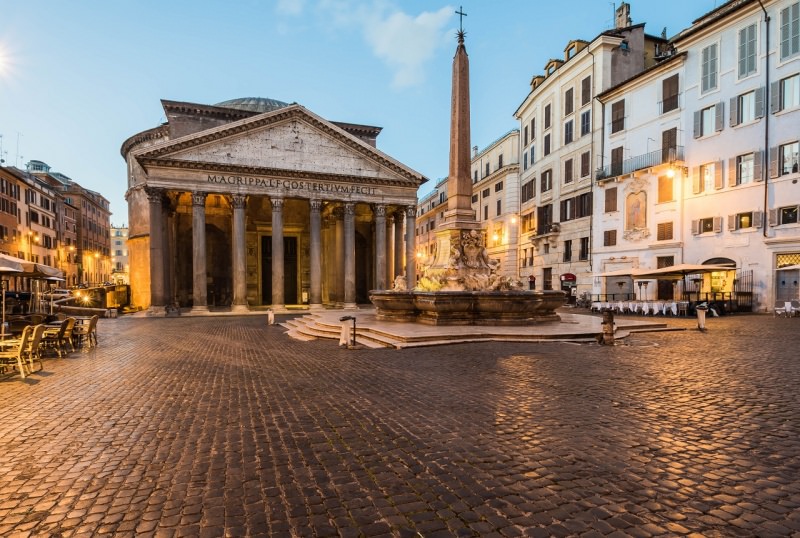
column 623, row 16
column 474, row 151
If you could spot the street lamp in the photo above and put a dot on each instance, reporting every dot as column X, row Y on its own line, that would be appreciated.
column 31, row 238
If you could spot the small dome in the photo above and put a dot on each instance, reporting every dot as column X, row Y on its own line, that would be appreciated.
column 253, row 104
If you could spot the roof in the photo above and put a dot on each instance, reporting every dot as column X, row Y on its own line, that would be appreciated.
column 711, row 17
column 253, row 104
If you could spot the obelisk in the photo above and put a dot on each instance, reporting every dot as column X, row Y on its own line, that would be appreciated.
column 459, row 216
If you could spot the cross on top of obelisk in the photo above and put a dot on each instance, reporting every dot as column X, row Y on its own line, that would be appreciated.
column 461, row 16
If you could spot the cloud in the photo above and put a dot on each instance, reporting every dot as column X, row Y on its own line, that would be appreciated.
column 403, row 41
column 290, row 7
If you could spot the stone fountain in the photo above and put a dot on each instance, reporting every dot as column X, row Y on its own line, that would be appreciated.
column 462, row 286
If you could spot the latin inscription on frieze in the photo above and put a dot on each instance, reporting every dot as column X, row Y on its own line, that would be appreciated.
column 300, row 186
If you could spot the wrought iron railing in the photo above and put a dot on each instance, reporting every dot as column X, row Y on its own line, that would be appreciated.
column 640, row 162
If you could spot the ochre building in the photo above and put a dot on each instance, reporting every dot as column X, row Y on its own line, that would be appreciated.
column 254, row 203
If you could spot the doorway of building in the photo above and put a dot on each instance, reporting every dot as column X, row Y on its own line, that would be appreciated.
column 289, row 270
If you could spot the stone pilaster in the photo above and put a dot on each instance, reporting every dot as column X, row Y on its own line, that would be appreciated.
column 239, row 202
column 398, row 243
column 199, row 266
column 338, row 287
column 390, row 250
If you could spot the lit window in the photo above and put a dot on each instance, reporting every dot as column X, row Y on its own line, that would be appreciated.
column 744, row 169
column 788, row 155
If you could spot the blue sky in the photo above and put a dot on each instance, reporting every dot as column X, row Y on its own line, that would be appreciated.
column 78, row 78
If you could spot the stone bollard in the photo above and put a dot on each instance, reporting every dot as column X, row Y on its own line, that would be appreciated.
column 608, row 327
column 701, row 310
column 270, row 317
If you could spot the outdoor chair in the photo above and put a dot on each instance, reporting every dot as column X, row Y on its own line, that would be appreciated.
column 780, row 308
column 56, row 338
column 13, row 352
column 34, row 348
column 795, row 307
column 86, row 333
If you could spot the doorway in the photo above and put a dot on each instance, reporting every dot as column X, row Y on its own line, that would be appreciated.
column 289, row 270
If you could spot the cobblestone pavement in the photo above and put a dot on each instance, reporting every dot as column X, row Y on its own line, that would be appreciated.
column 226, row 427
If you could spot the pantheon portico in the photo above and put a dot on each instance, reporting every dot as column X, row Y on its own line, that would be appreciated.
column 255, row 203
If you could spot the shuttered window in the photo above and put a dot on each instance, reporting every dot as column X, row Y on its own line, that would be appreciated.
column 747, row 51
column 664, row 231
column 790, row 31
column 709, row 68
column 670, row 93
column 611, row 200
column 609, row 238
column 586, row 91
column 618, row 116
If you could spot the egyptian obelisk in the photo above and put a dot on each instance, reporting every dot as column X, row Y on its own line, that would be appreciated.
column 459, row 216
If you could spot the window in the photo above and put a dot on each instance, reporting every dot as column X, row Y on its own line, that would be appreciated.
column 665, row 189
column 547, row 116
column 790, row 31
column 745, row 169
column 546, row 145
column 567, row 209
column 785, row 94
column 568, row 132
column 524, row 160
column 568, row 171
column 583, row 250
column 664, row 231
column 547, row 180
column 544, row 219
column 525, row 136
column 499, row 207
column 547, row 277
column 669, row 145
column 747, row 107
column 533, row 129
column 586, row 122
column 474, row 198
column 669, row 87
column 707, row 225
column 741, row 221
column 747, row 51
column 708, row 120
column 585, row 161
column 586, row 91
column 569, row 102
column 609, row 238
column 786, row 215
column 616, row 161
column 500, row 161
column 485, row 193
column 611, row 200
column 783, row 159
column 475, row 177
column 486, row 212
column 709, row 68
column 487, row 170
column 498, row 186
column 708, row 178
column 546, row 248
column 583, row 205
column 617, row 116
column 528, row 190
column 533, row 154
column 567, row 250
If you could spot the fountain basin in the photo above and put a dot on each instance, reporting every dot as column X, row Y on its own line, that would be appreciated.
column 518, row 307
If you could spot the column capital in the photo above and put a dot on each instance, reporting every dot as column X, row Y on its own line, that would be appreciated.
column 338, row 212
column 411, row 211
column 350, row 208
column 199, row 198
column 154, row 194
column 379, row 209
column 277, row 204
column 239, row 201
column 316, row 204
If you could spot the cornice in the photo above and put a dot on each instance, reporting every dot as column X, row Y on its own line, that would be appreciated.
column 151, row 134
column 272, row 118
column 148, row 162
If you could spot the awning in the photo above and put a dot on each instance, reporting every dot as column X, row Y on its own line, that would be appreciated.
column 29, row 269
column 679, row 271
column 793, row 267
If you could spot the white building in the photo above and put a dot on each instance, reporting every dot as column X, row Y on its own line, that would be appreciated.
column 742, row 94
column 120, row 267
column 560, row 134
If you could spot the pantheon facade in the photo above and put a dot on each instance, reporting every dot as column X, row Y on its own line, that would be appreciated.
column 253, row 203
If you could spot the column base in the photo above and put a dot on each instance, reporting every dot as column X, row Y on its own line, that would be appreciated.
column 157, row 311
column 240, row 308
column 316, row 306
column 200, row 309
column 350, row 306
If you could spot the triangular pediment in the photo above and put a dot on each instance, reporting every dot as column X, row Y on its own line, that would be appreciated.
column 290, row 140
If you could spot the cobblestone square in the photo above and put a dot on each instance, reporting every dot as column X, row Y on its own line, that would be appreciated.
column 225, row 427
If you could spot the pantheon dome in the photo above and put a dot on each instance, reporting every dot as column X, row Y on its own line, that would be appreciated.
column 253, row 104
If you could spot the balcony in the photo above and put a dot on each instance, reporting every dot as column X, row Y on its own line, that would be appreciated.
column 640, row 162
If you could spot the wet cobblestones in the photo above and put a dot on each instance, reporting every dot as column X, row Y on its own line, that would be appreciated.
column 226, row 427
